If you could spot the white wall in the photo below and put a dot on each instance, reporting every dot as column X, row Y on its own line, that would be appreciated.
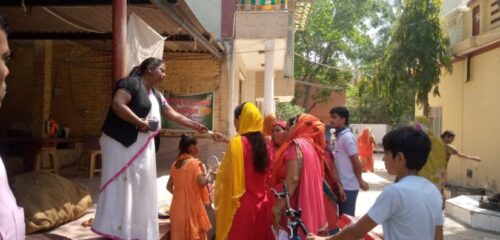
column 379, row 130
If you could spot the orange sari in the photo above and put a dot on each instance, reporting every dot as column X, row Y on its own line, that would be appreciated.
column 188, row 217
column 365, row 148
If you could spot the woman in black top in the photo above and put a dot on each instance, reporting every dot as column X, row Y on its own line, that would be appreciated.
column 127, row 206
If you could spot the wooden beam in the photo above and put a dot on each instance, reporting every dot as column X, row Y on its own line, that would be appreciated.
column 84, row 36
column 64, row 3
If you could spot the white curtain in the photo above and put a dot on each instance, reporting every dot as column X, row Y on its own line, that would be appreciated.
column 142, row 42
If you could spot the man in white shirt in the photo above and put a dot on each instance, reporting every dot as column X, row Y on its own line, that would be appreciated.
column 12, row 225
column 346, row 160
column 411, row 207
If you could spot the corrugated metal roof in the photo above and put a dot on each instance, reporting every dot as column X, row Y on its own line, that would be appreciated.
column 98, row 19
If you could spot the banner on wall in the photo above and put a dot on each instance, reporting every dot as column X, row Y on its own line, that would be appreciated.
column 197, row 107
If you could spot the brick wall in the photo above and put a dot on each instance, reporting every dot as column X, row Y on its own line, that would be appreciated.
column 71, row 81
column 322, row 110
column 76, row 91
column 197, row 76
column 80, row 86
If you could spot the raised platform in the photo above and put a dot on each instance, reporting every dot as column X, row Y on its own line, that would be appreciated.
column 466, row 209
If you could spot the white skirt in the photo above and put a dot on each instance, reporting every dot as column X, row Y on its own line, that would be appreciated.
column 127, row 206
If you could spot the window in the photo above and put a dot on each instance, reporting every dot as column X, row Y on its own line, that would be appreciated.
column 436, row 120
column 494, row 14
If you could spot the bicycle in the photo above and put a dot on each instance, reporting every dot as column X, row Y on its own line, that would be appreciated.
column 294, row 222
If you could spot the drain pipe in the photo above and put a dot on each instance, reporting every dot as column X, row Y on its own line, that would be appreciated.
column 231, row 75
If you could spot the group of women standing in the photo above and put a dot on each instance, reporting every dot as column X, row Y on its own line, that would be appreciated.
column 257, row 160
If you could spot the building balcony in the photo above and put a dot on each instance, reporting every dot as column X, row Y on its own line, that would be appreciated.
column 261, row 5
column 261, row 24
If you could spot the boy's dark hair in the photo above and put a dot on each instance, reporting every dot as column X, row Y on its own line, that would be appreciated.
column 185, row 142
column 414, row 144
column 3, row 25
column 447, row 133
column 342, row 112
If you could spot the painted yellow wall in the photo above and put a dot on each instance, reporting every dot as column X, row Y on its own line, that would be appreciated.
column 282, row 86
column 471, row 110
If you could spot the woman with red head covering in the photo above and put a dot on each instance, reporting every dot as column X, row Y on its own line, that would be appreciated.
column 299, row 165
column 278, row 137
column 269, row 121
column 366, row 142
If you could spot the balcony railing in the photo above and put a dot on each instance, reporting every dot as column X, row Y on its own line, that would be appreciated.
column 261, row 5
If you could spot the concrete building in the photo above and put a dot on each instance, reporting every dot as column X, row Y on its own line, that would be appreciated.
column 469, row 95
column 62, row 63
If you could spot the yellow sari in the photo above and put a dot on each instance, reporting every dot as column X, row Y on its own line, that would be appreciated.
column 435, row 167
column 230, row 180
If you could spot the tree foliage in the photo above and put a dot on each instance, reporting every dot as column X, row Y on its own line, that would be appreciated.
column 285, row 110
column 414, row 58
column 336, row 35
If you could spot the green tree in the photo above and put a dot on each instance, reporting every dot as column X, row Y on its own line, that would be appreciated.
column 365, row 104
column 285, row 110
column 414, row 58
column 336, row 34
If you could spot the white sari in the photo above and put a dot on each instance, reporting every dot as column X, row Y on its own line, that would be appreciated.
column 127, row 206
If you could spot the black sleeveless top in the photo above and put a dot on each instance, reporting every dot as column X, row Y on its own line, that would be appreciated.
column 121, row 130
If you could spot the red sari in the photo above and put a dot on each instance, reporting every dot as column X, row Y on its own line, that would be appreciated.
column 252, row 219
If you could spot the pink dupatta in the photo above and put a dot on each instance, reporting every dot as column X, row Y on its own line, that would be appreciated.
column 310, row 189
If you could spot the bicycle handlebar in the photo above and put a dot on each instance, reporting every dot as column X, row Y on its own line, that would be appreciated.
column 293, row 216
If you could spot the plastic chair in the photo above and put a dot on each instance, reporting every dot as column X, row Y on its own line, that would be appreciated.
column 91, row 151
column 49, row 154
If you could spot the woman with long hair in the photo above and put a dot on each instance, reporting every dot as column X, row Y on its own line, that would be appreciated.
column 188, row 185
column 241, row 198
column 299, row 165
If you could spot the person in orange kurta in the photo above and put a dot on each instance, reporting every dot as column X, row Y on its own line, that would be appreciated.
column 187, row 183
column 366, row 142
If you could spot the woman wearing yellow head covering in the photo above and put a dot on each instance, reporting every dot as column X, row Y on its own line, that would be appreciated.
column 241, row 201
column 434, row 168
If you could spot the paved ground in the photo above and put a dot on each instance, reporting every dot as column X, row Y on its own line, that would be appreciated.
column 453, row 230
